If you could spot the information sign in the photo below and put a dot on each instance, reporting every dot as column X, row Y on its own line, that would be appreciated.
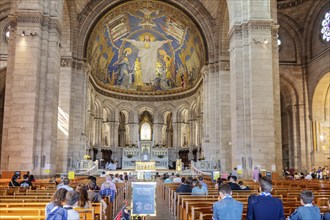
column 71, row 175
column 143, row 201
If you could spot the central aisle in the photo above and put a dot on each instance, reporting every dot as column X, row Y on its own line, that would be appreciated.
column 162, row 212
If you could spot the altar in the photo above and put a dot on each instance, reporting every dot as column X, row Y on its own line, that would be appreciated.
column 145, row 166
column 152, row 158
column 145, row 154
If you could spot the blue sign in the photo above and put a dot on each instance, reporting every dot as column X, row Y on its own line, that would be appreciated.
column 269, row 174
column 144, row 198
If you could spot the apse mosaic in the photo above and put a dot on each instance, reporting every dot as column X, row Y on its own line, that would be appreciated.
column 145, row 46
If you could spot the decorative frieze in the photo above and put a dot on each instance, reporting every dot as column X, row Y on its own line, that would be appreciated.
column 252, row 25
column 289, row 3
column 43, row 20
column 147, row 97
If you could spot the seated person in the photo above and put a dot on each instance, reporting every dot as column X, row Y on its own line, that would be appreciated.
column 107, row 191
column 83, row 201
column 168, row 179
column 177, row 178
column 219, row 182
column 185, row 186
column 58, row 199
column 117, row 179
column 103, row 174
column 71, row 198
column 227, row 207
column 198, row 188
column 65, row 184
column 13, row 181
column 201, row 180
column 308, row 210
column 243, row 187
column 264, row 206
column 232, row 183
column 25, row 182
column 92, row 195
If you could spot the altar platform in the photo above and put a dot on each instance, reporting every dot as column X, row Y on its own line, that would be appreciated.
column 132, row 156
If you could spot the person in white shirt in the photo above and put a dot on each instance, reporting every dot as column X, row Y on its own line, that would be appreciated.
column 65, row 184
column 117, row 179
column 177, row 178
column 70, row 199
column 308, row 176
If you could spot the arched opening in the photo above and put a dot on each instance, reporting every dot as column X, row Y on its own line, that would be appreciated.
column 105, row 138
column 185, row 129
column 146, row 124
column 321, row 119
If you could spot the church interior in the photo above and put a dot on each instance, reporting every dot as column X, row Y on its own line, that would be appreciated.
column 228, row 82
column 201, row 85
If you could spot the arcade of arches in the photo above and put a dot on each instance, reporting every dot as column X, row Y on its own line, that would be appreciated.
column 236, row 82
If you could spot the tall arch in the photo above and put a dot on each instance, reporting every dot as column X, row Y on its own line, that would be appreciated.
column 321, row 120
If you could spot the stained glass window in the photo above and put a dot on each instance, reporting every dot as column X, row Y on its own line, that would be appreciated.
column 325, row 30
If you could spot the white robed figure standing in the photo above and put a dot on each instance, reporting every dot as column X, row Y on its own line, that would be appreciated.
column 148, row 56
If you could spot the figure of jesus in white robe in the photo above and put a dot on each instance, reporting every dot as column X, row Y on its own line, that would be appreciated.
column 148, row 56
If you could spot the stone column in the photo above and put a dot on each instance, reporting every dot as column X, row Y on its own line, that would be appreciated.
column 175, row 133
column 158, row 133
column 78, row 111
column 98, row 131
column 63, row 115
column 30, row 120
column 216, row 116
column 254, row 79
column 296, row 137
column 192, row 128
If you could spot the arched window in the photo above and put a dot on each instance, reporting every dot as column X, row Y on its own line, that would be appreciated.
column 325, row 29
column 145, row 131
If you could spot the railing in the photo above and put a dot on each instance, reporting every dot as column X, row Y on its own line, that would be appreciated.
column 90, row 169
column 196, row 170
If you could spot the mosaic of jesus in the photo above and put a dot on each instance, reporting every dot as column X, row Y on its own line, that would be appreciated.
column 145, row 49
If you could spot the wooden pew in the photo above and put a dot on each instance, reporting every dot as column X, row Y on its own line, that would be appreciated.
column 86, row 214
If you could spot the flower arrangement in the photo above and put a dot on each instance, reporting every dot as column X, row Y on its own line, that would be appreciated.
column 160, row 156
column 129, row 155
column 87, row 157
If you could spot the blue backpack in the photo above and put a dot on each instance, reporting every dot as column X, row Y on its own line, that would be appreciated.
column 57, row 213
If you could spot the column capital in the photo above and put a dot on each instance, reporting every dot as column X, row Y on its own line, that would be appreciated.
column 251, row 25
column 210, row 68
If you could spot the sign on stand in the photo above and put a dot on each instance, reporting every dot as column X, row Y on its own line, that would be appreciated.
column 143, row 201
